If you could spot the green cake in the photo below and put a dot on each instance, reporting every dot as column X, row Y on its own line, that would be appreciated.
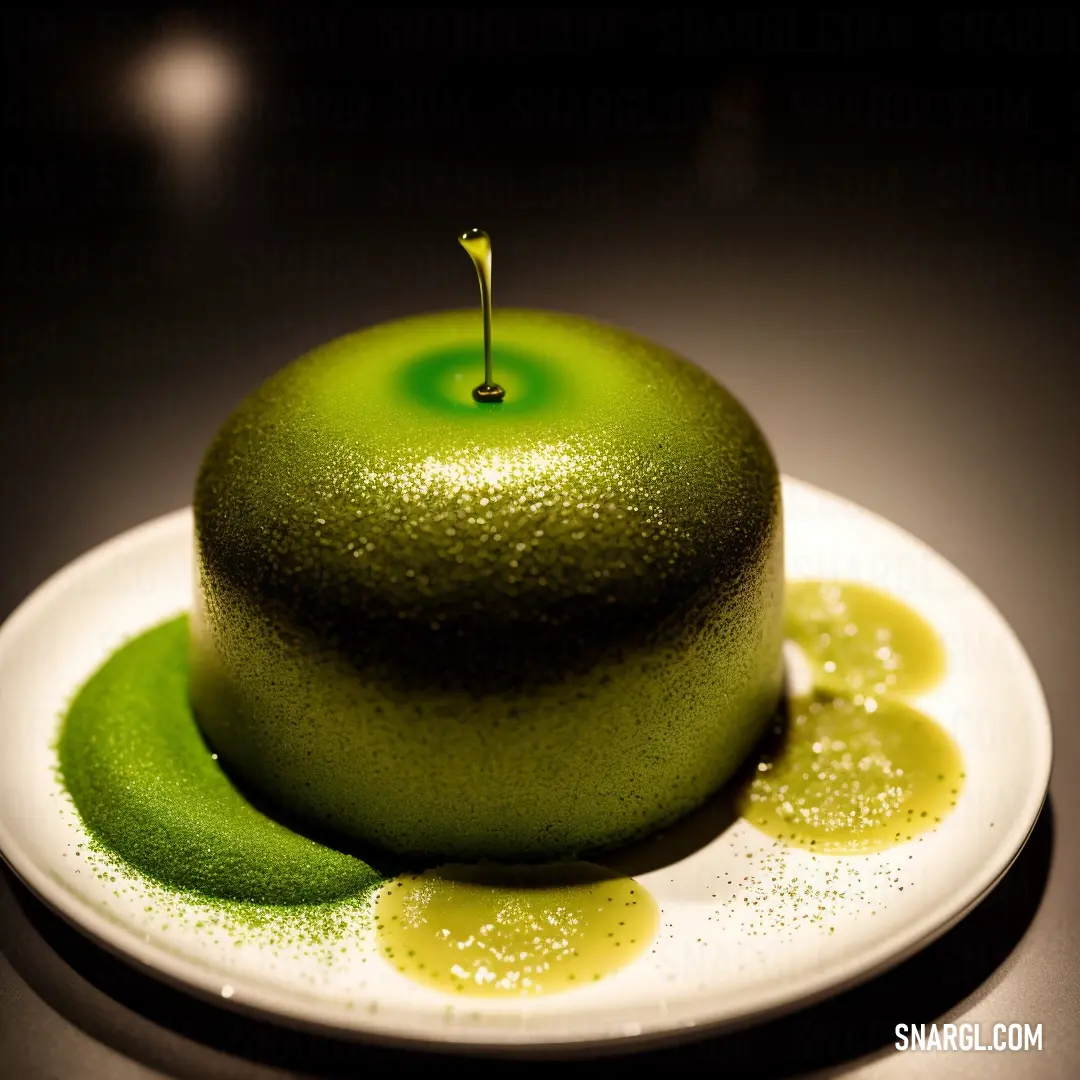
column 468, row 630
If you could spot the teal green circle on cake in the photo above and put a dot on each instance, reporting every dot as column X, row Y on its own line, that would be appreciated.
column 436, row 379
column 474, row 630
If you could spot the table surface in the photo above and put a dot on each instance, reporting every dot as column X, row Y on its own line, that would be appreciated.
column 880, row 261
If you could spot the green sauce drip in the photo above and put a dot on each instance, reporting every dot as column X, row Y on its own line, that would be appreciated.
column 855, row 768
column 478, row 244
column 513, row 931
column 150, row 792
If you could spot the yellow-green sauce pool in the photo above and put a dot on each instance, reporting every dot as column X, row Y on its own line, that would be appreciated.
column 856, row 768
column 513, row 931
column 849, row 778
column 860, row 640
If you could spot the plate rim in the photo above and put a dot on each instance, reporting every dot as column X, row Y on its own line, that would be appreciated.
column 273, row 1005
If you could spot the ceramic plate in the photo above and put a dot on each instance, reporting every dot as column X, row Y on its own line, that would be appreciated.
column 747, row 928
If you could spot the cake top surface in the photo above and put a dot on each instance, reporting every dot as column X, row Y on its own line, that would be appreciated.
column 364, row 474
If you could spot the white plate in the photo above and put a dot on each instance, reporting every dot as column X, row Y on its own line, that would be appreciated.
column 720, row 958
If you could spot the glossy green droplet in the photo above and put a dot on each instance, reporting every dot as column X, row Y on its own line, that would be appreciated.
column 513, row 931
column 478, row 244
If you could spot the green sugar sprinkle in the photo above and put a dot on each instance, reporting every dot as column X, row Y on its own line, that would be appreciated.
column 153, row 797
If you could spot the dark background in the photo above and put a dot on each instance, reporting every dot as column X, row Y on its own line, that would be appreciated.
column 865, row 225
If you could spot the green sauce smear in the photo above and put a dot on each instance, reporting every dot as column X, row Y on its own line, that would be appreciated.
column 150, row 792
column 856, row 768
